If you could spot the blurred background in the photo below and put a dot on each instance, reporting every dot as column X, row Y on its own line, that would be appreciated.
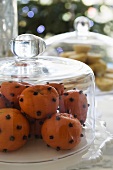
column 49, row 17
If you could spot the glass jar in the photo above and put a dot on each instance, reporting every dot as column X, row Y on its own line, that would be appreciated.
column 91, row 48
column 59, row 77
column 8, row 25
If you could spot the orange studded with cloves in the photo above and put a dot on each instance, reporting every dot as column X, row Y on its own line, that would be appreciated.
column 74, row 102
column 62, row 131
column 14, row 129
column 39, row 100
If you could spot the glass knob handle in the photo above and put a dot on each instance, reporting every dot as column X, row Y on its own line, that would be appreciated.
column 27, row 46
column 82, row 23
column 82, row 26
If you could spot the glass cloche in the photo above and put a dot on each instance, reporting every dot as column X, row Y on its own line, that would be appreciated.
column 47, row 110
column 94, row 49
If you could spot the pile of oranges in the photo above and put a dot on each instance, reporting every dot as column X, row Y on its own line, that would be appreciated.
column 44, row 111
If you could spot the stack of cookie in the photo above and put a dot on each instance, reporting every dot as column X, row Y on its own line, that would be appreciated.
column 103, row 75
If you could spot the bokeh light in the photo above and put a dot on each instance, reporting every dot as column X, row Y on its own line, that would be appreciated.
column 41, row 29
column 25, row 9
column 46, row 2
column 91, row 23
column 34, row 9
column 59, row 50
column 92, row 12
column 67, row 16
column 103, row 15
column 68, row 5
column 22, row 23
column 92, row 2
column 25, row 1
column 108, row 2
column 30, row 14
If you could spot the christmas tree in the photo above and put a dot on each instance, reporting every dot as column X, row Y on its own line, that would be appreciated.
column 58, row 17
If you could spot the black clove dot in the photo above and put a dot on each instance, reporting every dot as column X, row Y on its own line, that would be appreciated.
column 12, row 138
column 24, row 137
column 51, row 137
column 35, row 93
column 21, row 100
column 70, row 124
column 71, row 99
column 53, row 99
column 81, row 135
column 8, row 117
column 38, row 113
column 12, row 94
column 17, row 86
column 27, row 86
column 84, row 106
column 57, row 148
column 19, row 127
column 12, row 103
column 84, row 124
column 80, row 92
column 49, row 116
column 49, row 88
column 74, row 88
column 4, row 150
column 75, row 116
column 58, row 108
column 41, row 122
column 71, row 141
column 65, row 94
column 57, row 118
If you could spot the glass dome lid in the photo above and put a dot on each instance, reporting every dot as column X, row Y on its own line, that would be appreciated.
column 34, row 89
column 94, row 42
column 93, row 49
column 44, row 69
column 81, row 26
column 27, row 64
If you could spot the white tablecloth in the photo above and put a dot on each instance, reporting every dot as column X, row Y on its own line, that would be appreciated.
column 104, row 111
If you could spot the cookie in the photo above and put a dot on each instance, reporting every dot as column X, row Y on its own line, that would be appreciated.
column 80, row 57
column 109, row 70
column 104, row 84
column 99, row 68
column 81, row 48
column 93, row 58
column 67, row 54
column 108, row 75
